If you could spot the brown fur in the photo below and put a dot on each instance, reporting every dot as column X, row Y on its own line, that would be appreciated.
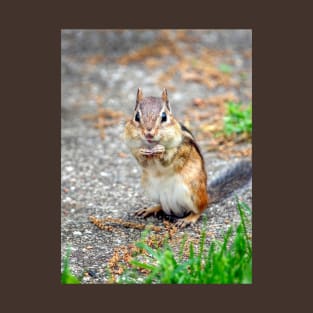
column 190, row 164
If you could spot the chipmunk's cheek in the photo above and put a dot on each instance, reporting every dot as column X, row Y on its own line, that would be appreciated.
column 143, row 137
column 157, row 137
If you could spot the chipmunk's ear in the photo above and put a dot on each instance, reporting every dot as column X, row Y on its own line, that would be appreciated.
column 165, row 99
column 139, row 97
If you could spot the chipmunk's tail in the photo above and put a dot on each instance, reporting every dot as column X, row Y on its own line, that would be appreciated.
column 230, row 180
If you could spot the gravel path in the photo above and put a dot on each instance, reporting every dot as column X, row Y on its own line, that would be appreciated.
column 99, row 177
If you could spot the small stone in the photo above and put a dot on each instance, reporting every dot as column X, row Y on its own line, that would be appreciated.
column 92, row 273
column 67, row 199
column 77, row 233
column 69, row 168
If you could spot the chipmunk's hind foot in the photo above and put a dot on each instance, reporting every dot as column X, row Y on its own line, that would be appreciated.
column 145, row 212
column 188, row 220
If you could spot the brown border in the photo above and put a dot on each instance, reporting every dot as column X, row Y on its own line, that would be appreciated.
column 31, row 129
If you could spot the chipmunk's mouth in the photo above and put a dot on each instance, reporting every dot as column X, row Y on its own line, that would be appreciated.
column 151, row 142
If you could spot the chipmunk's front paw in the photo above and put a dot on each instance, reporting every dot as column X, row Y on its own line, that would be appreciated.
column 158, row 149
column 145, row 212
column 145, row 152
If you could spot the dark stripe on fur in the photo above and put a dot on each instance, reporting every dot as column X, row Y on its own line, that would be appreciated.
column 191, row 140
column 184, row 128
column 195, row 145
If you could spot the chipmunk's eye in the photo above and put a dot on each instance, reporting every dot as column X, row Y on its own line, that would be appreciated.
column 137, row 118
column 163, row 117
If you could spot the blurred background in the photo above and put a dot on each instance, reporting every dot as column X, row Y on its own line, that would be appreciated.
column 200, row 68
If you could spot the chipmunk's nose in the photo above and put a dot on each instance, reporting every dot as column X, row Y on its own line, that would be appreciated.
column 149, row 132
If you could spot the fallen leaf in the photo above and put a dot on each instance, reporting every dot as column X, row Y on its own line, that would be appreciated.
column 122, row 155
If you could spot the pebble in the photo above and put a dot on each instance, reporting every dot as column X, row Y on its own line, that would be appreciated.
column 67, row 199
column 86, row 278
column 69, row 168
column 92, row 273
column 77, row 233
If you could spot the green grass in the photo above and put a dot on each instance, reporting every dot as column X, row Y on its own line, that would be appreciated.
column 67, row 278
column 223, row 262
column 238, row 119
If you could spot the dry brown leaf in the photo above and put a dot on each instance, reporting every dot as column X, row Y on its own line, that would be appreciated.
column 152, row 62
column 100, row 223
column 95, row 59
column 122, row 155
column 192, row 76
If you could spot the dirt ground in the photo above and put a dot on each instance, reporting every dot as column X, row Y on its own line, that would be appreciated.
column 101, row 71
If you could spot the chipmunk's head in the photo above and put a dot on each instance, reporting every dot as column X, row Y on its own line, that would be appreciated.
column 153, row 122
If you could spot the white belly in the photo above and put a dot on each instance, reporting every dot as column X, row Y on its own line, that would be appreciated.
column 171, row 193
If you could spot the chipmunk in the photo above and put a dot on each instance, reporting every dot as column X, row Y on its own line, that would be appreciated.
column 173, row 169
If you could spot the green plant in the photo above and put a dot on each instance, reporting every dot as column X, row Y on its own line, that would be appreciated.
column 67, row 278
column 238, row 119
column 225, row 68
column 224, row 262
